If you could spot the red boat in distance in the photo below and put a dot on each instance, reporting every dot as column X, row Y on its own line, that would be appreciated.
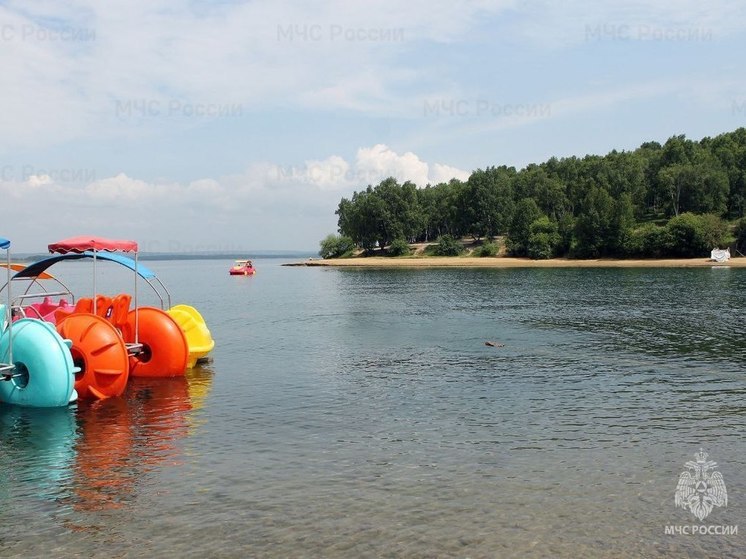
column 242, row 268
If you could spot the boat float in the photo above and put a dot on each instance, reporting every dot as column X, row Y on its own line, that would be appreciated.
column 107, row 338
column 36, row 366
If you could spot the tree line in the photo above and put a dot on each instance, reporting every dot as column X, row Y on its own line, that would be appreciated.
column 679, row 198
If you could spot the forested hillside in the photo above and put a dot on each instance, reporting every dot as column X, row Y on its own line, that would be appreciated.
column 681, row 198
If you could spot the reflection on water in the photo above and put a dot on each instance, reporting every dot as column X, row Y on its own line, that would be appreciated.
column 122, row 438
column 102, row 475
column 94, row 456
column 37, row 451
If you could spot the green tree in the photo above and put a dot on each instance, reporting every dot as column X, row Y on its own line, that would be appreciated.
column 714, row 232
column 621, row 224
column 695, row 188
column 648, row 241
column 526, row 212
column 336, row 246
column 593, row 227
column 399, row 247
column 486, row 202
column 730, row 151
column 740, row 234
column 548, row 191
column 695, row 235
column 361, row 218
column 380, row 214
column 449, row 205
column 448, row 246
column 566, row 231
column 543, row 238
column 401, row 215
column 429, row 201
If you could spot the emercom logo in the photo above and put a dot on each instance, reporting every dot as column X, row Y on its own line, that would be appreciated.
column 700, row 487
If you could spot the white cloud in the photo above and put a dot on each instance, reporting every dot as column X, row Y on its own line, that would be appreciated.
column 554, row 24
column 330, row 174
column 380, row 161
column 139, row 67
column 35, row 181
column 371, row 166
column 105, row 69
column 121, row 188
column 444, row 173
column 249, row 208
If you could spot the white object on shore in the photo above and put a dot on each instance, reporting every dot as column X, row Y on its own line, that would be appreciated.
column 719, row 255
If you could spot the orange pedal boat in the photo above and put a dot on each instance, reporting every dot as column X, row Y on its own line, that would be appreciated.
column 112, row 339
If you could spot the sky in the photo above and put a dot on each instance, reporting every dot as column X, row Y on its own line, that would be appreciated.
column 240, row 125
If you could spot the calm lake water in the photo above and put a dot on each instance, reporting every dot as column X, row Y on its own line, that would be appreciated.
column 359, row 413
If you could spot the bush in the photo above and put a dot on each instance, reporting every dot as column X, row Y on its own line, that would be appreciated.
column 448, row 246
column 486, row 250
column 336, row 246
column 540, row 246
column 648, row 241
column 696, row 235
column 714, row 232
column 685, row 234
column 740, row 233
column 543, row 239
column 399, row 247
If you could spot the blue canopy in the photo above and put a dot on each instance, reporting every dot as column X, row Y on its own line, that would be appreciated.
column 4, row 243
column 33, row 270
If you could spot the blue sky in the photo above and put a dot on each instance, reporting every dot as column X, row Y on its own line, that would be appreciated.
column 196, row 125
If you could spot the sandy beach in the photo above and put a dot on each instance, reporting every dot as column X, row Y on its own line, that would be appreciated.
column 508, row 262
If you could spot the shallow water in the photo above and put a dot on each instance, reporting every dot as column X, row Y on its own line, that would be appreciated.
column 359, row 413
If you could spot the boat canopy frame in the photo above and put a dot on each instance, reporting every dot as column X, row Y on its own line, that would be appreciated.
column 35, row 271
column 6, row 368
column 35, row 281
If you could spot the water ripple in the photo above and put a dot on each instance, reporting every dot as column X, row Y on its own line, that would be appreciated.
column 360, row 413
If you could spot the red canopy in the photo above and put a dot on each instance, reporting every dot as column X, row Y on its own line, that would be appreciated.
column 82, row 244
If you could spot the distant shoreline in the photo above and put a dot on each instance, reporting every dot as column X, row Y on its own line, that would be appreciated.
column 508, row 262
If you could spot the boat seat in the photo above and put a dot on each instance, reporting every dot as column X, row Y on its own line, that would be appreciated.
column 113, row 309
column 47, row 310
column 32, row 311
column 120, row 307
column 104, row 306
column 84, row 304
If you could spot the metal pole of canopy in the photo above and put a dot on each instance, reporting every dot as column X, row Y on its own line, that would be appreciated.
column 9, row 313
column 136, row 311
column 94, row 280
